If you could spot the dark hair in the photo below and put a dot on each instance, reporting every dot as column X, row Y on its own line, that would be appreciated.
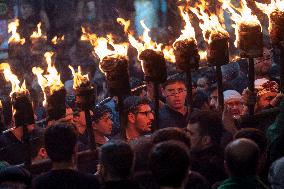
column 117, row 158
column 200, row 99
column 169, row 163
column 173, row 80
column 132, row 103
column 255, row 135
column 210, row 124
column 100, row 111
column 60, row 141
column 15, row 174
column 242, row 157
column 37, row 141
column 171, row 133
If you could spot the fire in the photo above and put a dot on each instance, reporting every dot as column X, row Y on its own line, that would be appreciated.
column 275, row 5
column 169, row 55
column 49, row 82
column 15, row 37
column 188, row 31
column 13, row 79
column 88, row 37
column 240, row 16
column 102, row 50
column 78, row 78
column 145, row 41
column 210, row 24
column 38, row 33
column 203, row 55
column 56, row 39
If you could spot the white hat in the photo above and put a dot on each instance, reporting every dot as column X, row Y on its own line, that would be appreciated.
column 231, row 94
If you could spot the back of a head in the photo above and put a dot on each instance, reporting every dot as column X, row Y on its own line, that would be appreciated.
column 15, row 177
column 169, row 163
column 255, row 135
column 60, row 141
column 210, row 123
column 241, row 157
column 117, row 158
column 276, row 174
column 171, row 133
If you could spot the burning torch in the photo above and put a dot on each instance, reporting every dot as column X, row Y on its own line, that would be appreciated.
column 22, row 108
column 16, row 43
column 275, row 13
column 38, row 41
column 249, row 39
column 85, row 100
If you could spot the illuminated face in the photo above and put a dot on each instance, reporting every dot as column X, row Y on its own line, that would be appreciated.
column 264, row 100
column 144, row 118
column 195, row 137
column 263, row 64
column 235, row 107
column 175, row 95
column 104, row 125
column 214, row 100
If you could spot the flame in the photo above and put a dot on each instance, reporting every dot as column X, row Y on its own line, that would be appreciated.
column 169, row 55
column 210, row 24
column 15, row 37
column 78, row 78
column 145, row 41
column 275, row 5
column 188, row 31
column 88, row 37
column 13, row 79
column 56, row 39
column 38, row 33
column 203, row 55
column 244, row 16
column 49, row 82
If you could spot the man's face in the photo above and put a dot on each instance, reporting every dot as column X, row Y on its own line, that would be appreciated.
column 202, row 84
column 144, row 119
column 263, row 64
column 104, row 125
column 175, row 95
column 235, row 107
column 264, row 100
column 214, row 100
column 195, row 137
column 80, row 120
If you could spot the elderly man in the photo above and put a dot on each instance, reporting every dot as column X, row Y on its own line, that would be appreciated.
column 233, row 101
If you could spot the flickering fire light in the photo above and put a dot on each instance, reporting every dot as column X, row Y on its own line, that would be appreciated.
column 15, row 37
column 56, row 40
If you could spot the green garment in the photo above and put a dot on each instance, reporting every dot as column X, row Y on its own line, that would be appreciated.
column 277, row 128
column 251, row 182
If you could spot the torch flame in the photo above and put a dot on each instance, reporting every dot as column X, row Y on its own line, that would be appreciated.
column 244, row 16
column 56, row 39
column 38, row 33
column 78, row 78
column 275, row 5
column 169, row 55
column 146, row 41
column 13, row 79
column 88, row 37
column 15, row 37
column 49, row 82
column 210, row 24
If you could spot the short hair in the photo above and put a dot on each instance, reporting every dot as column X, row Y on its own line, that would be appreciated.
column 99, row 111
column 60, row 141
column 132, row 103
column 241, row 156
column 255, row 135
column 210, row 123
column 169, row 163
column 171, row 133
column 172, row 80
column 200, row 99
column 117, row 158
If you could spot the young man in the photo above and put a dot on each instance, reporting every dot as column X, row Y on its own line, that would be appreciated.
column 60, row 143
column 175, row 113
column 139, row 117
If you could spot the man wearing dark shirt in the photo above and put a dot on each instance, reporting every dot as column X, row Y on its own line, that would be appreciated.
column 60, row 143
column 174, row 113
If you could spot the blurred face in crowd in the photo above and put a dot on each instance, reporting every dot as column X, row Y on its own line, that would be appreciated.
column 202, row 84
column 142, row 119
column 263, row 64
column 264, row 100
column 175, row 95
column 213, row 101
column 104, row 125
column 26, row 10
column 235, row 107
column 198, row 142
column 80, row 120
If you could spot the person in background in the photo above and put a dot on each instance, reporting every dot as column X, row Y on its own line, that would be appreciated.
column 234, row 102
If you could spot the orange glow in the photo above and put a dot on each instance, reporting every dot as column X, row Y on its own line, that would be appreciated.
column 57, row 40
column 15, row 37
column 38, row 33
column 78, row 78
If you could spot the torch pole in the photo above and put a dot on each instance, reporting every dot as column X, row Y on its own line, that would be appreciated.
column 282, row 67
column 220, row 87
column 156, row 101
column 90, row 131
column 251, row 85
column 189, row 88
column 27, row 144
column 121, row 117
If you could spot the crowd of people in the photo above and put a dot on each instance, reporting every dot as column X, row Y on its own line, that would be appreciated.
column 204, row 145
